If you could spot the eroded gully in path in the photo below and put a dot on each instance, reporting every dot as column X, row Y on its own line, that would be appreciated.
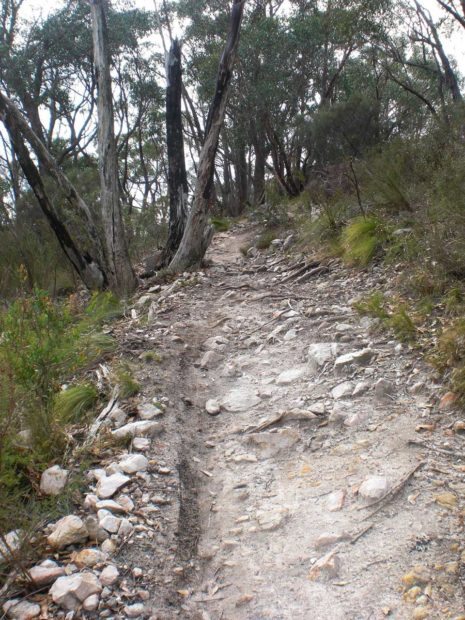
column 302, row 499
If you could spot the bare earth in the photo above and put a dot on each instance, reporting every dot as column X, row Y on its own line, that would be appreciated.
column 265, row 516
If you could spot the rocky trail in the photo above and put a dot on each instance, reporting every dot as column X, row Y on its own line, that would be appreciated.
column 289, row 461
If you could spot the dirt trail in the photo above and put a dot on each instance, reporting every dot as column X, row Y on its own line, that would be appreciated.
column 274, row 522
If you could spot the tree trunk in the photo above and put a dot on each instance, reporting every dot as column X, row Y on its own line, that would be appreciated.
column 258, row 143
column 86, row 266
column 198, row 233
column 177, row 176
column 48, row 164
column 122, row 278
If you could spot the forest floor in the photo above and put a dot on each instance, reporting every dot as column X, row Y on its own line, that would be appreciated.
column 297, row 464
column 324, row 483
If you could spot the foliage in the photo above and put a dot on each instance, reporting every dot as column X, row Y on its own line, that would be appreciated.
column 392, row 314
column 73, row 402
column 220, row 224
column 127, row 384
column 43, row 344
column 362, row 239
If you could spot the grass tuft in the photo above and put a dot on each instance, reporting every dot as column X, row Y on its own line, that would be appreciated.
column 362, row 239
column 71, row 404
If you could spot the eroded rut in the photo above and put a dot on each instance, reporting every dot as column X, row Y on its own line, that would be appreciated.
column 302, row 498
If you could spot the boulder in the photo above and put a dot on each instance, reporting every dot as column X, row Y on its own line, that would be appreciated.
column 70, row 592
column 53, row 480
column 69, row 530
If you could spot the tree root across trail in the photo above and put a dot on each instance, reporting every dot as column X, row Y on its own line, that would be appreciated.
column 283, row 477
column 293, row 424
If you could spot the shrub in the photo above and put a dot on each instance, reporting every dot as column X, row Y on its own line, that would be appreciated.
column 362, row 239
column 70, row 404
column 220, row 224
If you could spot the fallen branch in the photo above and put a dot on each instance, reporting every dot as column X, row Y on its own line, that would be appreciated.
column 318, row 271
column 301, row 271
column 419, row 444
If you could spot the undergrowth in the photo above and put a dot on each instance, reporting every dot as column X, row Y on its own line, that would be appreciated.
column 43, row 345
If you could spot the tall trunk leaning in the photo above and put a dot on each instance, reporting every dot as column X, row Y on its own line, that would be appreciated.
column 85, row 265
column 90, row 264
column 122, row 278
column 177, row 176
column 198, row 233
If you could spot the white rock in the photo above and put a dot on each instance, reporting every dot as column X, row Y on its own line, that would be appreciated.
column 211, row 359
column 70, row 592
column 118, row 417
column 240, row 400
column 374, row 487
column 108, row 522
column 126, row 502
column 290, row 376
column 335, row 501
column 342, row 390
column 361, row 388
column 141, row 444
column 147, row 411
column 90, row 501
column 91, row 603
column 135, row 611
column 69, row 530
column 111, row 505
column 109, row 546
column 216, row 343
column 21, row 610
column 360, row 358
column 290, row 335
column 270, row 444
column 384, row 389
column 45, row 573
column 141, row 428
column 321, row 352
column 109, row 575
column 134, row 463
column 53, row 480
column 125, row 528
column 109, row 485
column 12, row 543
column 212, row 407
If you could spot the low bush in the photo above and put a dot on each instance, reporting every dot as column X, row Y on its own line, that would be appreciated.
column 362, row 239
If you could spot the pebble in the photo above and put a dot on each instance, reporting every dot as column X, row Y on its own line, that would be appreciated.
column 109, row 576
column 359, row 358
column 46, row 573
column 212, row 407
column 135, row 611
column 142, row 428
column 321, row 352
column 335, row 501
column 21, row 610
column 68, row 531
column 70, row 592
column 88, row 558
column 107, row 486
column 147, row 411
column 327, row 567
column 374, row 488
column 290, row 376
column 134, row 463
column 342, row 390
